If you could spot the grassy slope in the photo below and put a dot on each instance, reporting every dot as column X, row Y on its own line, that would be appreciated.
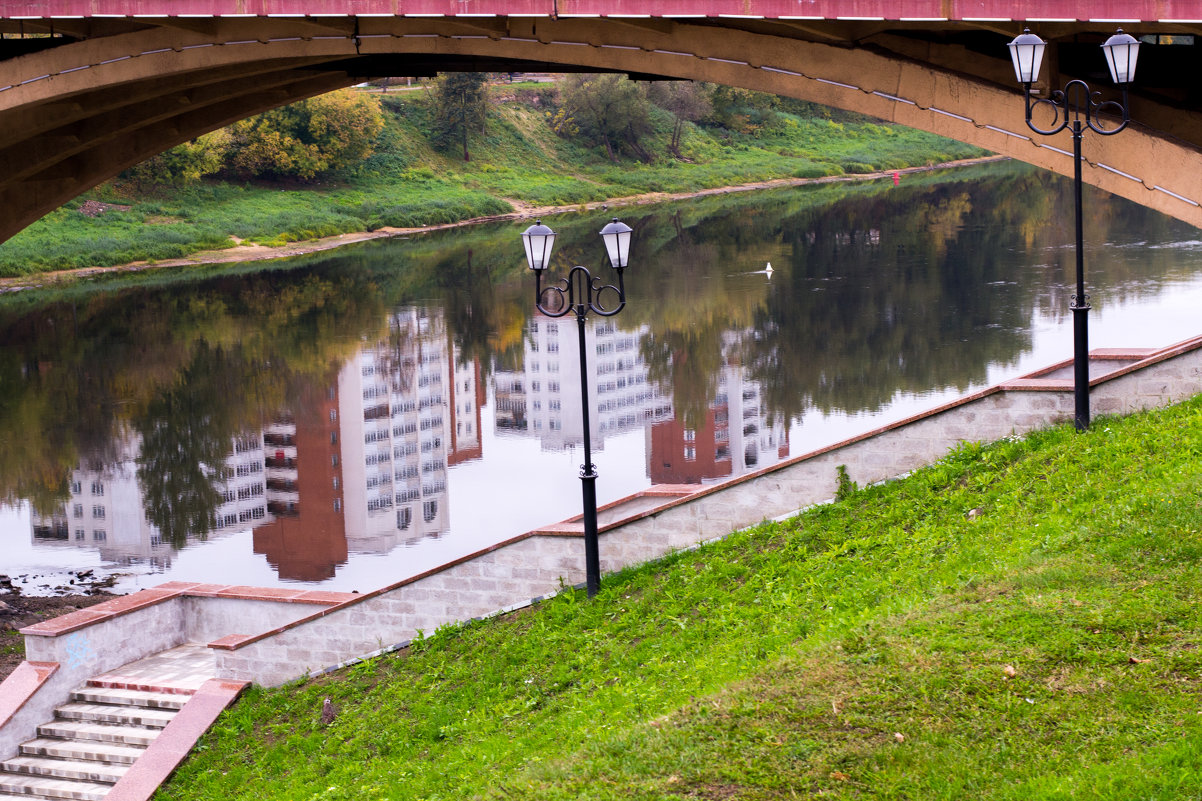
column 407, row 184
column 1019, row 621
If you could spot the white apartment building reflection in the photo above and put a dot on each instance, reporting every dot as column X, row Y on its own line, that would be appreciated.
column 106, row 509
column 403, row 405
column 543, row 399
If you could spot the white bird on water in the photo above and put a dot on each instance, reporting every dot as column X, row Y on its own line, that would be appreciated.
column 766, row 271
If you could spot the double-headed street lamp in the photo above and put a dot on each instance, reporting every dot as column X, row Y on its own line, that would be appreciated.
column 581, row 293
column 1076, row 108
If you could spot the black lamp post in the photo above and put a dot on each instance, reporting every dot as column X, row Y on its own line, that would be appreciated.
column 581, row 293
column 1076, row 107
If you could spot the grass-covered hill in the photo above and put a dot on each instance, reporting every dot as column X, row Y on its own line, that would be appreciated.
column 1018, row 621
column 516, row 160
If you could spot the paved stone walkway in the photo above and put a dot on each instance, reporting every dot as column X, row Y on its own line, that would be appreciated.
column 181, row 669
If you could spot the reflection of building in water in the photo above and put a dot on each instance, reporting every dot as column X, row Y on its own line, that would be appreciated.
column 509, row 401
column 736, row 437
column 107, row 512
column 466, row 398
column 360, row 464
column 306, row 538
column 395, row 429
column 544, row 399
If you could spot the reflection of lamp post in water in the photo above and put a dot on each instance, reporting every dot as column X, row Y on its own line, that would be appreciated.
column 580, row 292
column 1076, row 107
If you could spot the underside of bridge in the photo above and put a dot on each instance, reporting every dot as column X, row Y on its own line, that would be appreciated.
column 82, row 99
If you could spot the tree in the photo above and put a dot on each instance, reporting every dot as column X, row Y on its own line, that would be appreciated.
column 686, row 101
column 304, row 139
column 184, row 445
column 460, row 106
column 183, row 164
column 607, row 109
column 742, row 110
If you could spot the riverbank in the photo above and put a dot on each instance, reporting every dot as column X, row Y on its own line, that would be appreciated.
column 519, row 163
column 242, row 251
column 1016, row 621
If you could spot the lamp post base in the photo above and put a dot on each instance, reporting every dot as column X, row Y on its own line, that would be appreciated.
column 1081, row 365
column 592, row 556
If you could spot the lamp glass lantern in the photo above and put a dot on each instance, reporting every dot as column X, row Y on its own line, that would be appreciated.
column 617, row 243
column 1026, row 51
column 539, row 239
column 1122, row 51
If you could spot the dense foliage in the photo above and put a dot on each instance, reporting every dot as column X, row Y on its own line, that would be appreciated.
column 307, row 138
column 607, row 110
column 186, row 163
column 302, row 140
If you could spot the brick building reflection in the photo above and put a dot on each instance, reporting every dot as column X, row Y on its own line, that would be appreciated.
column 305, row 540
column 736, row 437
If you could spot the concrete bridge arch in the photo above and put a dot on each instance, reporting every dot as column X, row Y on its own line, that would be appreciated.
column 76, row 114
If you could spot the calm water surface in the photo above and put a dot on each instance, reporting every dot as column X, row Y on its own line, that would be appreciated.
column 349, row 420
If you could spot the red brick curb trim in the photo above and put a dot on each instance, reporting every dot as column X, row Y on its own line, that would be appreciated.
column 125, row 604
column 21, row 685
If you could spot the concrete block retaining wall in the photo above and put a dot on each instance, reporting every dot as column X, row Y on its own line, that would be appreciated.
column 539, row 563
column 210, row 618
column 475, row 587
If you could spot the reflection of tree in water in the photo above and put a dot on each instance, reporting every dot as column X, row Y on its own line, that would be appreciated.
column 686, row 363
column 398, row 359
column 884, row 289
column 469, row 305
column 79, row 375
column 185, row 437
column 684, row 293
column 886, row 294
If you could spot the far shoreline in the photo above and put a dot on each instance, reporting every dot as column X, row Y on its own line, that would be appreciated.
column 250, row 253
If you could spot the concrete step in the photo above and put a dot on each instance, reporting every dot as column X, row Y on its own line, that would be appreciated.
column 65, row 769
column 102, row 732
column 30, row 787
column 123, row 697
column 123, row 715
column 90, row 750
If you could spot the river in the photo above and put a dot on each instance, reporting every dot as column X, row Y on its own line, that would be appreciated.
column 348, row 419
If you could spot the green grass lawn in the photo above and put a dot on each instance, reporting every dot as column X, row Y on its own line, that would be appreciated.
column 1018, row 621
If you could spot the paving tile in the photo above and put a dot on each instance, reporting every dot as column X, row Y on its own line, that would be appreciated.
column 53, row 788
column 183, row 668
column 136, row 698
column 92, row 751
column 63, row 769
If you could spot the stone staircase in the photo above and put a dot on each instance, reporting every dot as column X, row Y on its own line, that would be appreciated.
column 91, row 743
